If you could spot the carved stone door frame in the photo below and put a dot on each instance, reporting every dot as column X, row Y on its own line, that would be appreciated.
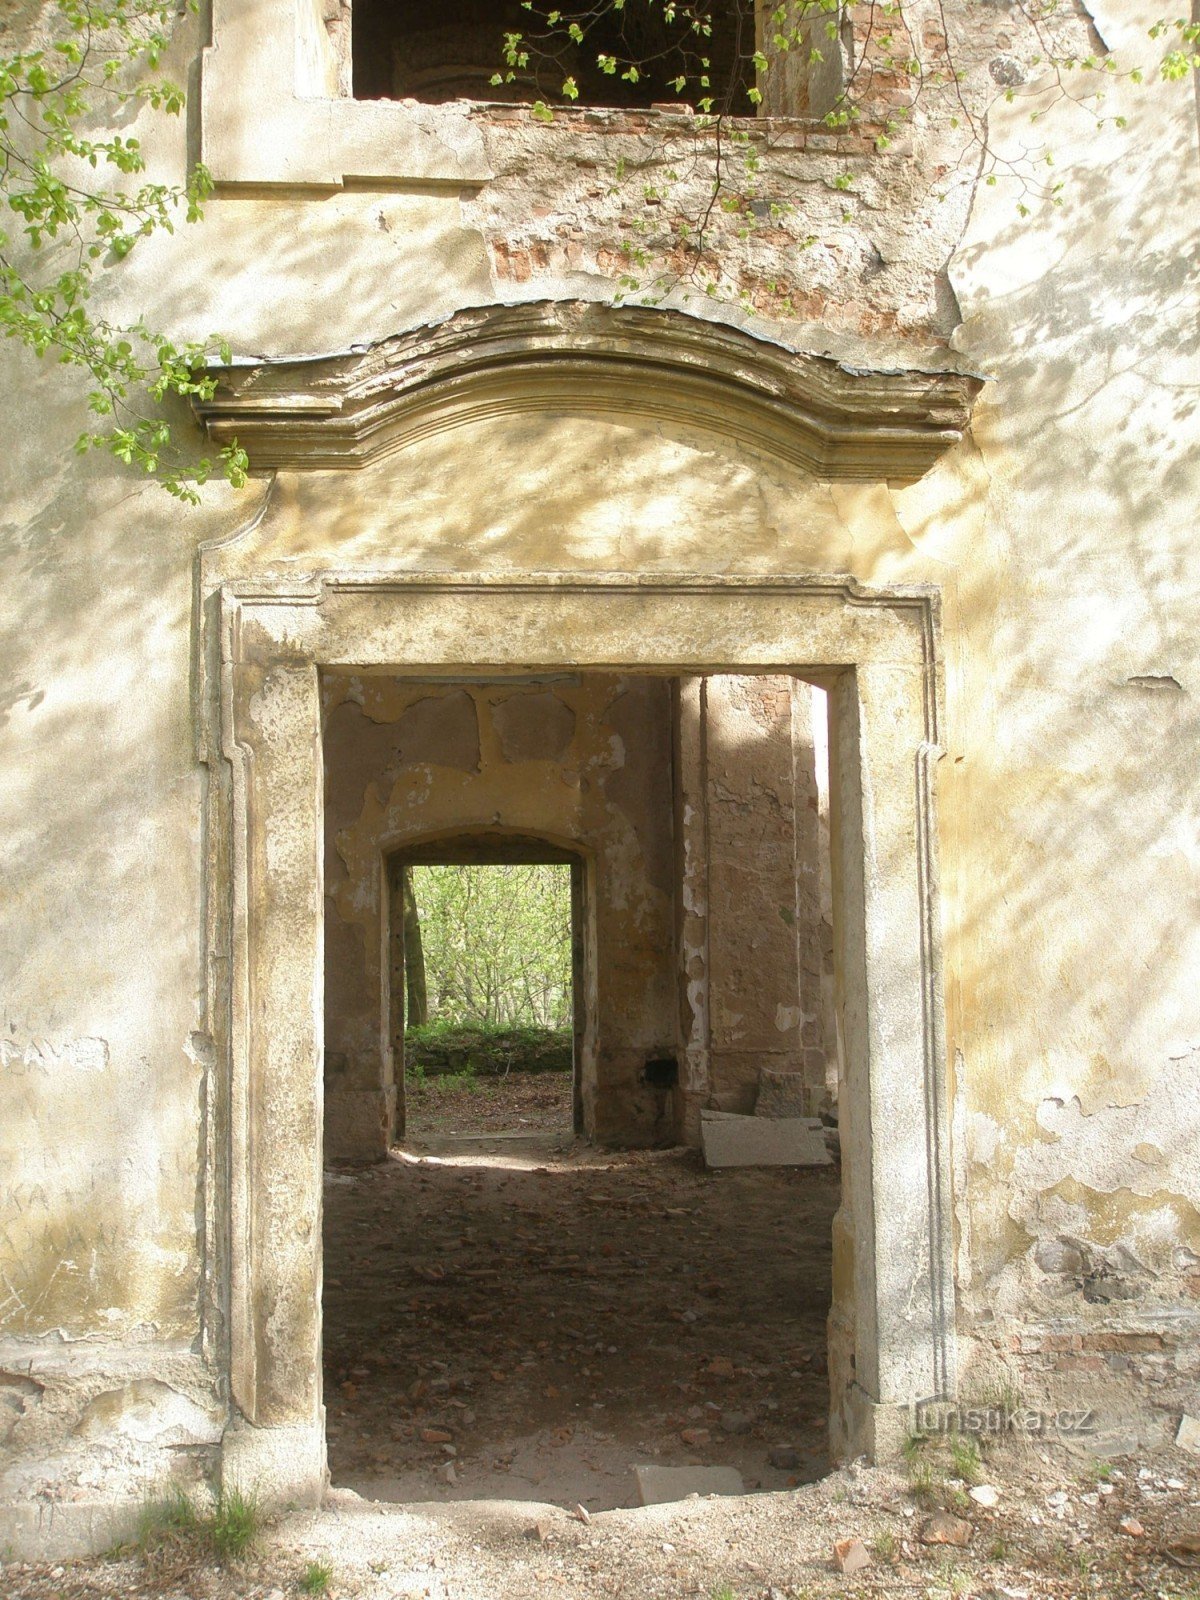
column 876, row 651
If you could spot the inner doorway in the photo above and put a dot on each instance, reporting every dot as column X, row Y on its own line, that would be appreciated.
column 486, row 986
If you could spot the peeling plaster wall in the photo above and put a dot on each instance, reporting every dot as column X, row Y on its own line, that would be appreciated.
column 106, row 1064
column 1070, row 812
column 582, row 763
column 1060, row 536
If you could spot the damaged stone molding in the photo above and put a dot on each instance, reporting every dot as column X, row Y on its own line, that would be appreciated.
column 824, row 415
column 892, row 1340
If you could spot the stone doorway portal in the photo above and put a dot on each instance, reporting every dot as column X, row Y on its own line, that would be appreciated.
column 892, row 1321
column 509, row 1312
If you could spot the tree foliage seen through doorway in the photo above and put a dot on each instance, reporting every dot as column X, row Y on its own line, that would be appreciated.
column 496, row 943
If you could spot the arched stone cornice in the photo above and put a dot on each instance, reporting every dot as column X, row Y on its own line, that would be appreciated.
column 581, row 359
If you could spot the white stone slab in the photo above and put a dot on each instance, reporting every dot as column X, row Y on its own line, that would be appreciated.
column 658, row 1486
column 730, row 1140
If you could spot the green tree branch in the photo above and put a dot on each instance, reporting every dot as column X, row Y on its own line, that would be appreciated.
column 80, row 208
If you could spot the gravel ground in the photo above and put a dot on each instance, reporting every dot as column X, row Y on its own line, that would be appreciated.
column 538, row 1316
column 1055, row 1533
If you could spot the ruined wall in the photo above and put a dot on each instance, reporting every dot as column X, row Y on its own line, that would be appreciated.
column 1059, row 536
column 755, row 939
column 1071, row 825
column 583, row 762
column 768, row 941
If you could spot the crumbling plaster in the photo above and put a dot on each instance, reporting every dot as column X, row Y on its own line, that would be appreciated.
column 1084, row 703
column 1060, row 537
column 857, row 250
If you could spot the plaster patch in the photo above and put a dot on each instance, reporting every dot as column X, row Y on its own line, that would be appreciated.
column 201, row 1050
column 1083, row 1234
column 533, row 727
column 440, row 730
column 152, row 1413
column 1149, row 1154
column 1097, row 1149
column 986, row 1136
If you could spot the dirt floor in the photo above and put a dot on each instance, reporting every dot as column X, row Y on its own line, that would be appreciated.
column 522, row 1102
column 520, row 1317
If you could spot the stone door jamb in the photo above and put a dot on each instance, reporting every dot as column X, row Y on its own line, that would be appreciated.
column 877, row 651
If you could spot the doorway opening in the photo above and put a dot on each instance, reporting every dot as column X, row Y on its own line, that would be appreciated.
column 576, row 1311
column 486, row 942
column 304, row 945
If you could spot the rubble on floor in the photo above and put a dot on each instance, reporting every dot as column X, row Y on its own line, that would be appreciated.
column 544, row 1319
column 1054, row 1534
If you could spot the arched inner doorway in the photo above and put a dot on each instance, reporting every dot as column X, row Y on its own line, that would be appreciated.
column 488, row 848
